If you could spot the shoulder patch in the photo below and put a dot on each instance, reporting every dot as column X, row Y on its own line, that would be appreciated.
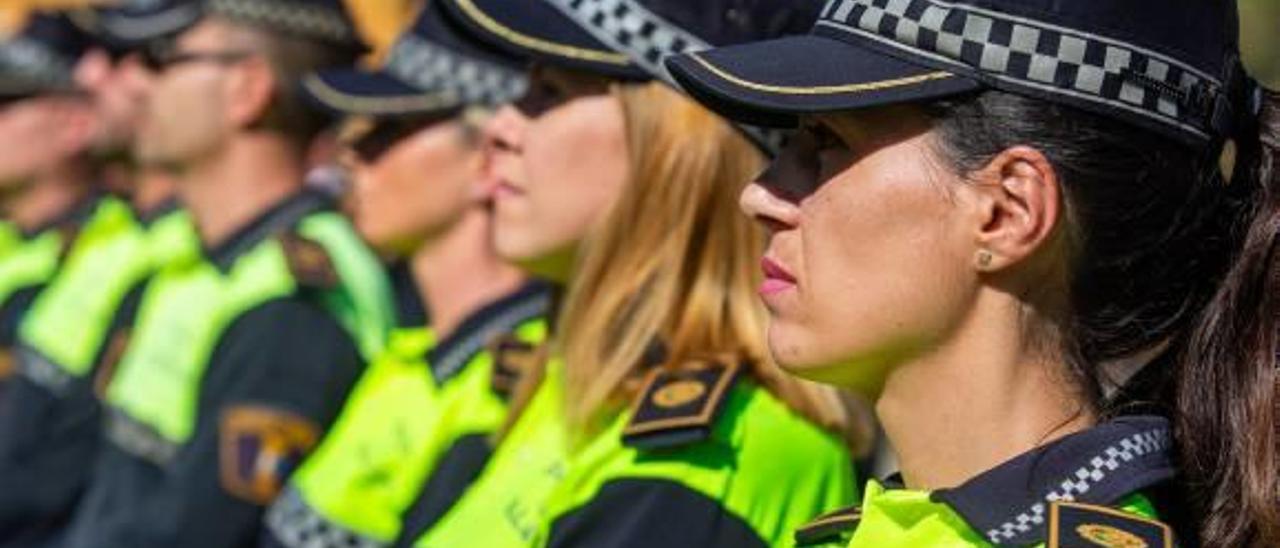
column 309, row 262
column 829, row 527
column 512, row 360
column 6, row 364
column 260, row 447
column 1074, row 525
column 679, row 407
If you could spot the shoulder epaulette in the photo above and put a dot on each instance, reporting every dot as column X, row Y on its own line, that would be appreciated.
column 679, row 407
column 1073, row 524
column 829, row 527
column 512, row 360
column 309, row 262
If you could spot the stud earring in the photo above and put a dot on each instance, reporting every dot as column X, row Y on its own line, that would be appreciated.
column 984, row 259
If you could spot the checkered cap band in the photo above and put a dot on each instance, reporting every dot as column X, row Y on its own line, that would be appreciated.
column 292, row 17
column 143, row 25
column 34, row 62
column 1036, row 55
column 1110, row 463
column 433, row 68
column 297, row 525
column 630, row 28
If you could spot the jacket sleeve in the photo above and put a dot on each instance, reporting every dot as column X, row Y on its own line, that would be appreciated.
column 274, row 385
column 641, row 512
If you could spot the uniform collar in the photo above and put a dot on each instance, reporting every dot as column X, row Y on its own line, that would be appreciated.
column 280, row 217
column 411, row 310
column 1008, row 505
column 149, row 216
column 473, row 335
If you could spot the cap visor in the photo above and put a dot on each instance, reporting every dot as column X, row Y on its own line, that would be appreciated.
column 537, row 31
column 354, row 92
column 770, row 83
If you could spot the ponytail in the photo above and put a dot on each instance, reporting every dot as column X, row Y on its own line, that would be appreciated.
column 1228, row 405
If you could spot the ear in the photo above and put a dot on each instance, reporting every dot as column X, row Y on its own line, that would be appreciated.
column 1019, row 201
column 251, row 89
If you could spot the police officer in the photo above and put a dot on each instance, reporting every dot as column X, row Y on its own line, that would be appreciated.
column 48, row 188
column 49, row 423
column 240, row 355
column 414, row 148
column 1059, row 162
column 657, row 420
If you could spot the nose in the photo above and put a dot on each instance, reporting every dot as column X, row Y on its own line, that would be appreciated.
column 504, row 132
column 774, row 212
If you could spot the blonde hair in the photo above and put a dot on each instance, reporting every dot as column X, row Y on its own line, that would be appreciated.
column 674, row 261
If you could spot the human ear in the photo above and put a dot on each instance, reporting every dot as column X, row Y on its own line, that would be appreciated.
column 251, row 89
column 1018, row 200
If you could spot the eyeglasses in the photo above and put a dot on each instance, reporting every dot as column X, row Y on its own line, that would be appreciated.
column 547, row 92
column 381, row 135
column 160, row 59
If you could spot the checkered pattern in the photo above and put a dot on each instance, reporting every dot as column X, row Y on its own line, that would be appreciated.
column 33, row 61
column 1036, row 55
column 292, row 17
column 148, row 20
column 138, row 439
column 1100, row 467
column 42, row 372
column 628, row 27
column 432, row 68
column 296, row 525
column 446, row 366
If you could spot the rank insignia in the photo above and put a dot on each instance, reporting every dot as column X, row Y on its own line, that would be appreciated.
column 679, row 407
column 1074, row 525
column 512, row 360
column 309, row 262
column 829, row 528
column 260, row 448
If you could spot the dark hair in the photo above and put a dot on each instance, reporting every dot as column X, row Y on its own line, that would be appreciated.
column 291, row 58
column 1163, row 250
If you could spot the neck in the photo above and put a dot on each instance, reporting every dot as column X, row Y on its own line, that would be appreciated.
column 458, row 273
column 152, row 189
column 229, row 189
column 48, row 196
column 980, row 399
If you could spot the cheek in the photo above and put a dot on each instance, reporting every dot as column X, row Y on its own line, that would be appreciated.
column 882, row 277
column 576, row 166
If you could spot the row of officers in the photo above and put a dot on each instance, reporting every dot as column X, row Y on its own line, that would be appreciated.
column 499, row 290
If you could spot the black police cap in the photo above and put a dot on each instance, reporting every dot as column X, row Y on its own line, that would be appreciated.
column 132, row 24
column 326, row 21
column 432, row 69
column 42, row 57
column 1170, row 66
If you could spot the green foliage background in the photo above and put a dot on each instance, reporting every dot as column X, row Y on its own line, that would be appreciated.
column 1260, row 38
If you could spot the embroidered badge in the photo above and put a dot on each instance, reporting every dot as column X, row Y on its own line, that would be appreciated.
column 829, row 528
column 260, row 447
column 1074, row 525
column 678, row 407
column 6, row 364
column 512, row 359
column 309, row 261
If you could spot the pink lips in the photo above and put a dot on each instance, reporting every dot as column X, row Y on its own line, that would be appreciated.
column 776, row 278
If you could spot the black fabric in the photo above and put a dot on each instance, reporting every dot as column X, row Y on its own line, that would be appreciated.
column 642, row 513
column 277, row 218
column 47, row 441
column 457, row 469
column 12, row 312
column 484, row 326
column 148, row 217
column 287, row 354
column 411, row 305
column 1098, row 466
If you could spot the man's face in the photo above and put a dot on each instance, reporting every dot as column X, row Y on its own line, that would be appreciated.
column 186, row 115
column 119, row 90
column 41, row 133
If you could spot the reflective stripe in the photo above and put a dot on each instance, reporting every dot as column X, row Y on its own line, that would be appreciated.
column 297, row 525
column 138, row 439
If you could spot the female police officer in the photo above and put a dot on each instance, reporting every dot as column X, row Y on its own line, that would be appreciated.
column 991, row 211
column 657, row 422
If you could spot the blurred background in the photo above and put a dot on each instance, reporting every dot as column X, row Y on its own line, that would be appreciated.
column 382, row 20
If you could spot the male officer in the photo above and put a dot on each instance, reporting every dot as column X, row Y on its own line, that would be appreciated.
column 240, row 356
column 49, row 419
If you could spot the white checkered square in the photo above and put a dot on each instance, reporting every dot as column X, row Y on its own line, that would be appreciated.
column 1037, row 55
column 296, row 525
column 628, row 27
column 431, row 67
